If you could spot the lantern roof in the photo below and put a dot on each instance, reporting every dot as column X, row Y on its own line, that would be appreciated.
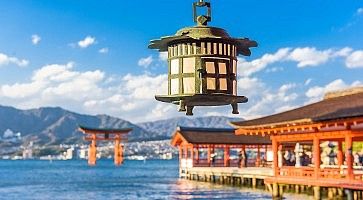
column 203, row 32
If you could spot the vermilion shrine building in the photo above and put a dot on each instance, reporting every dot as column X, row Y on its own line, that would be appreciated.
column 306, row 133
column 336, row 119
column 197, row 145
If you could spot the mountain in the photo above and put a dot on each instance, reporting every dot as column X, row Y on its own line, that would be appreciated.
column 54, row 125
column 165, row 128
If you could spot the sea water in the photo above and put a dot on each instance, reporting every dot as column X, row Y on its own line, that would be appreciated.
column 152, row 179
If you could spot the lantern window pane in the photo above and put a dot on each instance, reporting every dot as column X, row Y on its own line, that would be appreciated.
column 189, row 49
column 189, row 85
column 235, row 67
column 229, row 50
column 224, row 49
column 235, row 51
column 223, row 84
column 220, row 49
column 169, row 52
column 209, row 67
column 194, row 48
column 234, row 87
column 215, row 48
column 188, row 65
column 222, row 68
column 203, row 48
column 209, row 48
column 211, row 83
column 232, row 50
column 174, row 86
column 175, row 50
column 184, row 49
column 174, row 66
column 180, row 50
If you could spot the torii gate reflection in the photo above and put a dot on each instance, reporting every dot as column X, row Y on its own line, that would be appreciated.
column 94, row 134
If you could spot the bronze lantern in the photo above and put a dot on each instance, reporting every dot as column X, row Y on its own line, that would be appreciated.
column 202, row 63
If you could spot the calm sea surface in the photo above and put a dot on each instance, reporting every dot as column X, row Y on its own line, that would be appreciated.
column 135, row 180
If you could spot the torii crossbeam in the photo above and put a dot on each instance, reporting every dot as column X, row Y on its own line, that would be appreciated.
column 95, row 134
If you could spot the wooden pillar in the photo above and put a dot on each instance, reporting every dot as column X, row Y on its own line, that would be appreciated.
column 275, row 156
column 121, row 150
column 209, row 154
column 349, row 156
column 180, row 153
column 92, row 151
column 258, row 158
column 197, row 154
column 192, row 154
column 340, row 154
column 297, row 155
column 226, row 156
column 185, row 150
column 317, row 193
column 275, row 191
column 316, row 146
column 117, row 156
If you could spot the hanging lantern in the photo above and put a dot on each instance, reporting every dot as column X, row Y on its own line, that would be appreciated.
column 202, row 62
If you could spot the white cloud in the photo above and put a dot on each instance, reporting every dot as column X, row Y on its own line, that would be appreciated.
column 249, row 86
column 355, row 60
column 145, row 62
column 7, row 60
column 103, row 50
column 246, row 68
column 36, row 39
column 309, row 56
column 130, row 97
column 316, row 93
column 303, row 56
column 274, row 69
column 360, row 11
column 163, row 56
column 86, row 42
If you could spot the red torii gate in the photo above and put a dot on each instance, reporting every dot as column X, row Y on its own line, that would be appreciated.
column 94, row 134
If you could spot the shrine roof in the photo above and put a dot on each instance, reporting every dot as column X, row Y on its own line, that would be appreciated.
column 335, row 106
column 216, row 136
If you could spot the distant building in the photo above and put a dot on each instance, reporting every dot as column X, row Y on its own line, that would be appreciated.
column 70, row 154
column 27, row 153
column 82, row 153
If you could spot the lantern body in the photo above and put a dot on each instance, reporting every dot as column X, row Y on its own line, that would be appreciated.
column 202, row 66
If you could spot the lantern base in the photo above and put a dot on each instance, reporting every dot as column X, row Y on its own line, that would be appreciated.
column 188, row 102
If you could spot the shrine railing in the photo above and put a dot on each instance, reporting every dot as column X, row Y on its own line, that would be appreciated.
column 296, row 172
column 324, row 173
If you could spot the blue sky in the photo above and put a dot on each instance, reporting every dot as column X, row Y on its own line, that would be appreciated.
column 92, row 57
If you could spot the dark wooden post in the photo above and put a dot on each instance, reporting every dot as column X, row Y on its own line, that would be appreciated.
column 258, row 158
column 340, row 154
column 192, row 154
column 208, row 155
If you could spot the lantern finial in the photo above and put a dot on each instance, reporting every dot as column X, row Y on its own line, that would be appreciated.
column 202, row 20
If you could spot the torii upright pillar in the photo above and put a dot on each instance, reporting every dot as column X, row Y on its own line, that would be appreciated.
column 118, row 154
column 117, row 135
column 92, row 151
